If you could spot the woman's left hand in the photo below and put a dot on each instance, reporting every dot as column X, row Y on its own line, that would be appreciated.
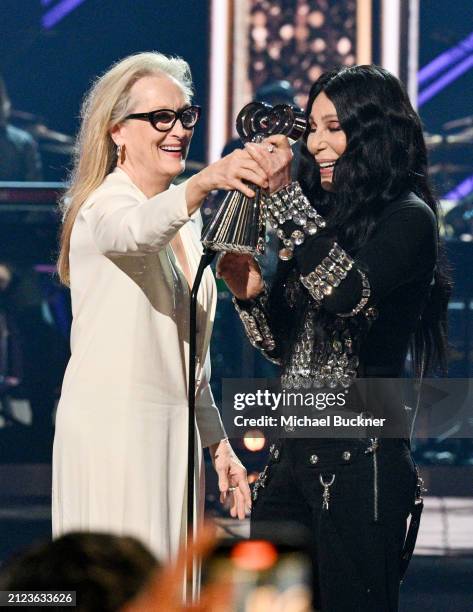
column 274, row 155
column 232, row 479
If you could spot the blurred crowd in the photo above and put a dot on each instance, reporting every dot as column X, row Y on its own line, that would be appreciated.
column 111, row 573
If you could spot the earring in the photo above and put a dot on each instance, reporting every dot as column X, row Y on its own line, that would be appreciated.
column 121, row 153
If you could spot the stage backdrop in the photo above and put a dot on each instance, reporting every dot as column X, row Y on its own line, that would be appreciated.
column 50, row 50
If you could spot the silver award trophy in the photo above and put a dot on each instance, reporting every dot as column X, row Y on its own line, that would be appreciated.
column 239, row 224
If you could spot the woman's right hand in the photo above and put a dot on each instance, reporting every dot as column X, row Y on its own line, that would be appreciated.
column 229, row 173
column 242, row 275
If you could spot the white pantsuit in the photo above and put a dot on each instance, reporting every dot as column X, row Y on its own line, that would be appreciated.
column 120, row 447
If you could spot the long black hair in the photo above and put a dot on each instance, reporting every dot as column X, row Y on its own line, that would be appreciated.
column 384, row 157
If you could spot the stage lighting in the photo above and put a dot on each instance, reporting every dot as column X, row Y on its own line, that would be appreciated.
column 254, row 440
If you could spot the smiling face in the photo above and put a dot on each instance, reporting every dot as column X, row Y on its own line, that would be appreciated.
column 326, row 140
column 153, row 159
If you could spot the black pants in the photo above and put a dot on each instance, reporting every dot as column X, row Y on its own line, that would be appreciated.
column 356, row 537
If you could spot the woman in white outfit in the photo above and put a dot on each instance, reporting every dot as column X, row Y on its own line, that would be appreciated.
column 129, row 251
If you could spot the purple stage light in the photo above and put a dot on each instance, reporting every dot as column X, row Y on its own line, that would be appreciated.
column 443, row 81
column 45, row 269
column 461, row 190
column 455, row 54
column 58, row 12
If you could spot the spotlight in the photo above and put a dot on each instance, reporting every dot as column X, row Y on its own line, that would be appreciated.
column 253, row 477
column 254, row 440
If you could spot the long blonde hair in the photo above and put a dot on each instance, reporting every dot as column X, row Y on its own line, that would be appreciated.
column 106, row 105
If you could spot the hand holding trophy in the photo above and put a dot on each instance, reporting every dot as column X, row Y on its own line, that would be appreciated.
column 239, row 225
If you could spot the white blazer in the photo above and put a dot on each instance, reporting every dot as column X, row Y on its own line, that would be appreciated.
column 120, row 447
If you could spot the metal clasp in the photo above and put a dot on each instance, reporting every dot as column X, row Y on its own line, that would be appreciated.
column 420, row 489
column 326, row 493
column 374, row 446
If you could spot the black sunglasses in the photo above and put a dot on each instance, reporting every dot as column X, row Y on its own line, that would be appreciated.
column 164, row 119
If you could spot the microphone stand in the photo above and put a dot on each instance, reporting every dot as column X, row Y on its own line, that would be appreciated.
column 206, row 259
column 228, row 233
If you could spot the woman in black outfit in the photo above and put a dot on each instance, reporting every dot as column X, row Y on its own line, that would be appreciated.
column 360, row 282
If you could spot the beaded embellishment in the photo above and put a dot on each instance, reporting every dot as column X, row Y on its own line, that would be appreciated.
column 333, row 365
column 255, row 323
column 290, row 204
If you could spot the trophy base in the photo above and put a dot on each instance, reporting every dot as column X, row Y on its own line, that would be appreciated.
column 225, row 247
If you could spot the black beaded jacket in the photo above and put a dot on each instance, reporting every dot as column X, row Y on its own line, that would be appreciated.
column 332, row 316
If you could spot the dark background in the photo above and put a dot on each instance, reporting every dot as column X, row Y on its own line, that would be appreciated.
column 47, row 72
column 442, row 26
